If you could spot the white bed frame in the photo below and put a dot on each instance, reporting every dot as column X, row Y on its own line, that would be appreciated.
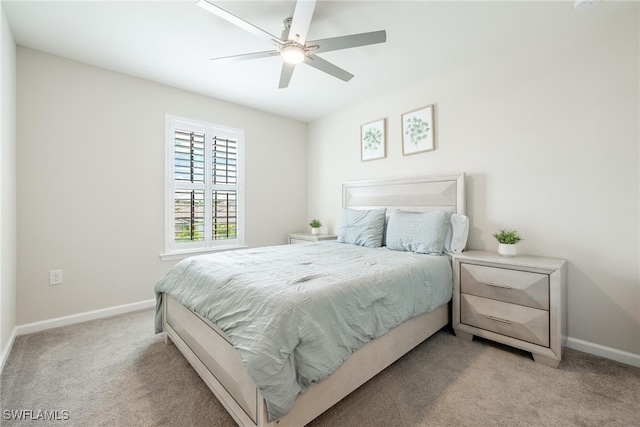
column 209, row 351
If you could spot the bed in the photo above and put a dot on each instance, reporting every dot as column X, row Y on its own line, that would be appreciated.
column 227, row 370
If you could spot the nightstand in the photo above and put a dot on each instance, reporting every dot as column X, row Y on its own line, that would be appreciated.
column 517, row 301
column 308, row 237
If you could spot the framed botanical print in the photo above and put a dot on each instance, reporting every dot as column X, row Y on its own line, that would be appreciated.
column 417, row 131
column 373, row 140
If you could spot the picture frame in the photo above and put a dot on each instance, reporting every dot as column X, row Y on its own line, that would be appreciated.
column 418, row 133
column 373, row 140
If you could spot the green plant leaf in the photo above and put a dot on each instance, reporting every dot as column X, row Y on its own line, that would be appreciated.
column 507, row 236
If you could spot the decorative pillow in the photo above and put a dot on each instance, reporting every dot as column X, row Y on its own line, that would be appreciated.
column 362, row 227
column 457, row 234
column 421, row 232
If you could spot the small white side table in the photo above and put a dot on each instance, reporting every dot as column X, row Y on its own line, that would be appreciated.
column 308, row 237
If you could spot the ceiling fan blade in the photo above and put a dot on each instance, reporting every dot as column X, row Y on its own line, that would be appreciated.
column 227, row 16
column 346, row 42
column 245, row 56
column 326, row 66
column 285, row 75
column 301, row 20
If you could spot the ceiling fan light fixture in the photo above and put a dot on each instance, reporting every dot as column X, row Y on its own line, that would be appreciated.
column 293, row 53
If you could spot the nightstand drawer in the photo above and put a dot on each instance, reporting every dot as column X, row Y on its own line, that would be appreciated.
column 513, row 286
column 516, row 321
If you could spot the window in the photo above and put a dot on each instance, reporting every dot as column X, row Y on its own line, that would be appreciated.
column 204, row 187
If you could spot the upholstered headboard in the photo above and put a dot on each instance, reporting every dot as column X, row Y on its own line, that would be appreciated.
column 419, row 194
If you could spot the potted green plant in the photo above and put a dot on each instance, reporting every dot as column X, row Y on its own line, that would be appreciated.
column 507, row 239
column 315, row 226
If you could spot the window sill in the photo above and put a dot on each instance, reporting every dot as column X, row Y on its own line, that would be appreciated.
column 170, row 256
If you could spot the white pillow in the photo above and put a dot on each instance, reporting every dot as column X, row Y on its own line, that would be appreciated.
column 457, row 234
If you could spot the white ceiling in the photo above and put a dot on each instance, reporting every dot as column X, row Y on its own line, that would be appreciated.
column 171, row 42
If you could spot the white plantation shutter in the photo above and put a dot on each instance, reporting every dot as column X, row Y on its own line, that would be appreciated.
column 189, row 160
column 204, row 186
column 224, row 178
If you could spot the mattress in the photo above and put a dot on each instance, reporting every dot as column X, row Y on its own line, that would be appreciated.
column 295, row 313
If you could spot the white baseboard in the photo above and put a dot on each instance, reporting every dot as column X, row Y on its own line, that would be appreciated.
column 30, row 328
column 602, row 351
column 5, row 352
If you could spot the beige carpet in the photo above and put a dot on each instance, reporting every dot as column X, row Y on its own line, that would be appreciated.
column 116, row 372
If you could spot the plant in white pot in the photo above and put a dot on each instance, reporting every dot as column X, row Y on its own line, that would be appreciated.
column 507, row 239
column 315, row 226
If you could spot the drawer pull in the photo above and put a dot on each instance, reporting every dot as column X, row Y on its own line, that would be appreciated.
column 495, row 285
column 497, row 319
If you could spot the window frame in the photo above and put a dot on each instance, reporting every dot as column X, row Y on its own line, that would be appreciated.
column 177, row 250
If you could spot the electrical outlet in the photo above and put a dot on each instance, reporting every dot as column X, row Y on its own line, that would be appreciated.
column 55, row 277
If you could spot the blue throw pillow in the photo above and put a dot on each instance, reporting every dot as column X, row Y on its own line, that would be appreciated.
column 421, row 232
column 362, row 227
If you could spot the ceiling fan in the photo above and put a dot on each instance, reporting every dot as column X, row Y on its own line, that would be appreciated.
column 293, row 46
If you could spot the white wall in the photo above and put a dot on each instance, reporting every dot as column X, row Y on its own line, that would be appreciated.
column 7, row 185
column 549, row 141
column 91, row 182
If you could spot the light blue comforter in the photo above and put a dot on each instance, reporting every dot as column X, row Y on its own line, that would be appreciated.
column 295, row 313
